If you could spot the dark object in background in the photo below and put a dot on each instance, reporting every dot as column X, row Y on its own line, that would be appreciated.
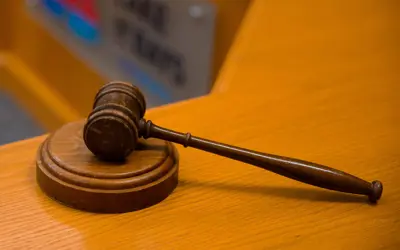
column 15, row 123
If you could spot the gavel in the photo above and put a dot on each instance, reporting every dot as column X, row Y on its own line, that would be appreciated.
column 117, row 121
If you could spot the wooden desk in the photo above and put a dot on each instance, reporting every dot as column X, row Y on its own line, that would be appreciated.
column 307, row 79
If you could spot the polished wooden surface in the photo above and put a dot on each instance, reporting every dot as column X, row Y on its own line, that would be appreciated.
column 303, row 171
column 111, row 131
column 321, row 83
column 68, row 172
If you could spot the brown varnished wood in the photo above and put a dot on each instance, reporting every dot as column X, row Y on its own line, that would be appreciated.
column 296, row 169
column 68, row 172
column 320, row 80
column 113, row 122
column 116, row 122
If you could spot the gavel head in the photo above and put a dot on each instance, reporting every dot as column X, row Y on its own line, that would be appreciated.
column 111, row 130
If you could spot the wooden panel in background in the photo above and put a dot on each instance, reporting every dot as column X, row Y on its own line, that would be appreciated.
column 67, row 76
column 49, row 108
column 229, row 17
column 51, row 62
column 5, row 24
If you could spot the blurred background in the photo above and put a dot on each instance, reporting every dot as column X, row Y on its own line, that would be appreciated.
column 56, row 54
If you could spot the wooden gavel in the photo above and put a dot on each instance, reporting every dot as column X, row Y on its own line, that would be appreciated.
column 116, row 123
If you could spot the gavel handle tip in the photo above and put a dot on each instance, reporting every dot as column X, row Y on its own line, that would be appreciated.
column 376, row 191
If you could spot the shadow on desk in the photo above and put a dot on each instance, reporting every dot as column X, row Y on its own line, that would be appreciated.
column 311, row 194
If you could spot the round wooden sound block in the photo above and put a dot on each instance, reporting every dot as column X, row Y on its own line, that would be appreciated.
column 69, row 173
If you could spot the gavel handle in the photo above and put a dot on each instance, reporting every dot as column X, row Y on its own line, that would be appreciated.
column 303, row 171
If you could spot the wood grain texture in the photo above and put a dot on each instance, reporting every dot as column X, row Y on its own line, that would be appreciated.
column 68, row 172
column 320, row 79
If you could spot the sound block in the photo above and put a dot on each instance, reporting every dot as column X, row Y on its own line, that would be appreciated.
column 69, row 173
